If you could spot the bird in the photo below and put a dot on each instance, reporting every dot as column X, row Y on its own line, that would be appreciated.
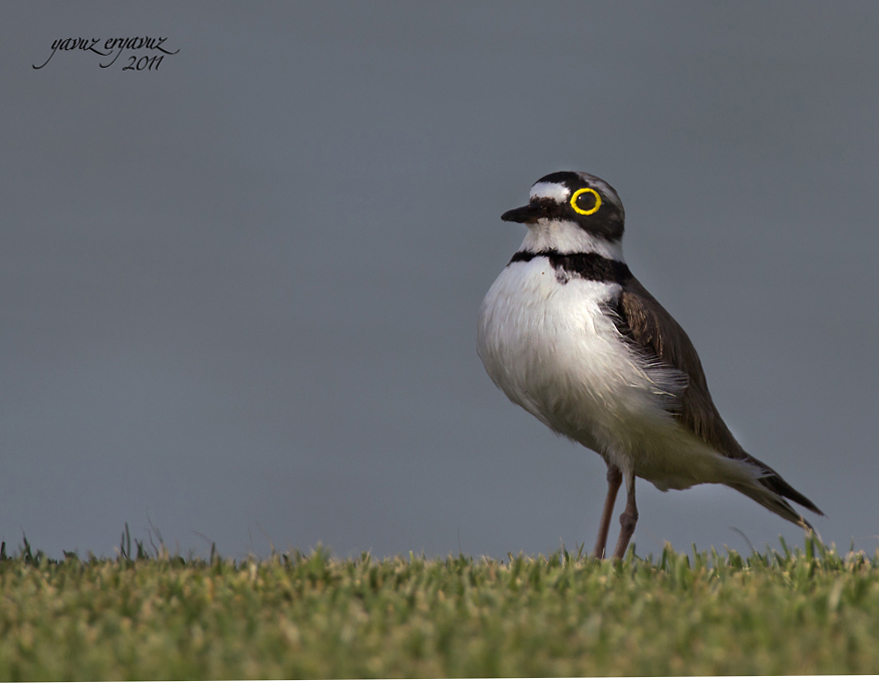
column 570, row 335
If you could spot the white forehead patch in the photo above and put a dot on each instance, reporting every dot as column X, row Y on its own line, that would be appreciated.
column 554, row 191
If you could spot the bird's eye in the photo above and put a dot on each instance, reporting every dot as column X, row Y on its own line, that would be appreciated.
column 585, row 201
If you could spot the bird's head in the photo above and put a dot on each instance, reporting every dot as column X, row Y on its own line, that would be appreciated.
column 572, row 211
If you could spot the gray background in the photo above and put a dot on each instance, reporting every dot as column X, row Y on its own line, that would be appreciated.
column 238, row 294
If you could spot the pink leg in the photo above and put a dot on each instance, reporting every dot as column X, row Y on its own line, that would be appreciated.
column 628, row 519
column 614, row 479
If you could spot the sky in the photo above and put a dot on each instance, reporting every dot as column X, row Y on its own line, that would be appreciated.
column 239, row 285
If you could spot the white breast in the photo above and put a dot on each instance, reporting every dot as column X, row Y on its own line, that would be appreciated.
column 552, row 349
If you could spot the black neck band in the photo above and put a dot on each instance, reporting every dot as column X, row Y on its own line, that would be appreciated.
column 588, row 265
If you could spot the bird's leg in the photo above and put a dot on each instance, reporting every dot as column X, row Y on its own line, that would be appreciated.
column 614, row 479
column 628, row 519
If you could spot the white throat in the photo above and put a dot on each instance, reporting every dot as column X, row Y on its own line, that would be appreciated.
column 567, row 237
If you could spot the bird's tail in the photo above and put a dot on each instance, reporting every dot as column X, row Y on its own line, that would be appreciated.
column 770, row 490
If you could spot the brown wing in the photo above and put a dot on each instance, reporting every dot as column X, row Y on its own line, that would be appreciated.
column 656, row 334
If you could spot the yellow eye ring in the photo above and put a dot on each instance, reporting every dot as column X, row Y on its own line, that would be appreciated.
column 578, row 209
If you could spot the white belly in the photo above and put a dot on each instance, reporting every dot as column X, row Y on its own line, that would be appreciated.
column 553, row 350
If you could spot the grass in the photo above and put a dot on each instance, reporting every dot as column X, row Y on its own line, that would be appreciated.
column 158, row 616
